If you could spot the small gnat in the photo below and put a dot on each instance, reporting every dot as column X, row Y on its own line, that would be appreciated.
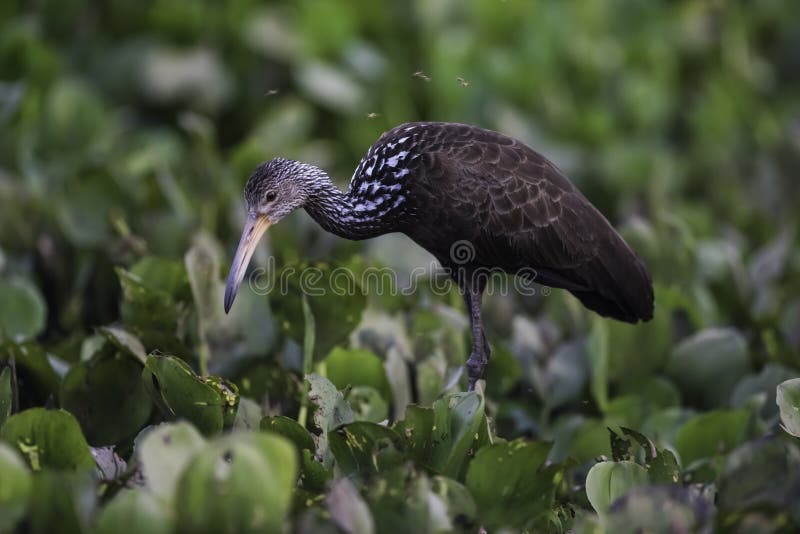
column 421, row 75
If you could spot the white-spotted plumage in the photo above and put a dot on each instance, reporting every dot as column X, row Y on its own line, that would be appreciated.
column 377, row 188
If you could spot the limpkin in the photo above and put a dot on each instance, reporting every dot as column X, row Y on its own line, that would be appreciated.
column 444, row 183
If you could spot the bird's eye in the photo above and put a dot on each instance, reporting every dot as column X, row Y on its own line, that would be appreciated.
column 271, row 196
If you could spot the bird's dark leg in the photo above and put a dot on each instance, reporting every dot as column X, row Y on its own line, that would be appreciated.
column 479, row 358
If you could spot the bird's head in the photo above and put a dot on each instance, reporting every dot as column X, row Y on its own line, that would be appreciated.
column 275, row 189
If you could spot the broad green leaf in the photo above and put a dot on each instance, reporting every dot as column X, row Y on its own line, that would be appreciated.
column 580, row 438
column 365, row 448
column 145, row 307
column 48, row 439
column 563, row 375
column 134, row 511
column 33, row 369
column 458, row 420
column 63, row 498
column 348, row 509
column 761, row 386
column 707, row 365
column 209, row 403
column 241, row 482
column 108, row 397
column 248, row 415
column 367, row 404
column 22, row 309
column 151, row 313
column 331, row 410
column 165, row 275
column 457, row 497
column 357, row 367
column 444, row 437
column 163, row 452
column 635, row 352
column 661, row 464
column 598, row 352
column 761, row 474
column 710, row 434
column 401, row 500
column 503, row 372
column 16, row 484
column 608, row 481
column 416, row 429
column 334, row 295
column 660, row 509
column 289, row 428
column 314, row 477
column 125, row 341
column 510, row 485
column 788, row 400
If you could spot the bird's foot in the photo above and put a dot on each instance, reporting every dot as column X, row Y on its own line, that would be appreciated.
column 476, row 366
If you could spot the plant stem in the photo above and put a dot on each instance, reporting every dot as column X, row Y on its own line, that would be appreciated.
column 308, row 358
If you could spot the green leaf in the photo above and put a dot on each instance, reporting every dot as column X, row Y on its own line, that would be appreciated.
column 457, row 423
column 416, row 428
column 108, row 398
column 510, row 485
column 151, row 312
column 15, row 488
column 788, row 400
column 33, row 369
column 762, row 474
column 707, row 365
column 241, row 482
column 331, row 411
column 248, row 415
column 660, row 509
column 48, row 439
column 22, row 309
column 163, row 452
column 761, row 386
column 710, row 434
column 365, row 448
column 357, row 367
column 63, row 498
column 165, row 275
column 134, row 511
column 209, row 403
column 598, row 352
column 348, row 509
column 661, row 464
column 401, row 500
column 367, row 404
column 444, row 437
column 125, row 341
column 608, row 481
column 457, row 498
column 503, row 372
column 288, row 428
column 620, row 447
column 335, row 298
column 564, row 374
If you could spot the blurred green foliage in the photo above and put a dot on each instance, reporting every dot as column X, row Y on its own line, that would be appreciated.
column 127, row 131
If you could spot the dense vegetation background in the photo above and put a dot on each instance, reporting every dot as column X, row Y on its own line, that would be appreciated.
column 128, row 129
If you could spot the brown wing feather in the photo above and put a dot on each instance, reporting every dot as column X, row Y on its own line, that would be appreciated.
column 530, row 214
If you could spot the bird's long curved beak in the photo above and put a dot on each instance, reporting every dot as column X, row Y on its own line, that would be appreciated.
column 254, row 228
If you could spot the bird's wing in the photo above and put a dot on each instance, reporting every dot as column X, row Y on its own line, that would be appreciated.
column 519, row 197
column 530, row 214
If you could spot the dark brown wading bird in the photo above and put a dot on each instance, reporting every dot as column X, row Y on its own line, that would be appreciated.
column 446, row 185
